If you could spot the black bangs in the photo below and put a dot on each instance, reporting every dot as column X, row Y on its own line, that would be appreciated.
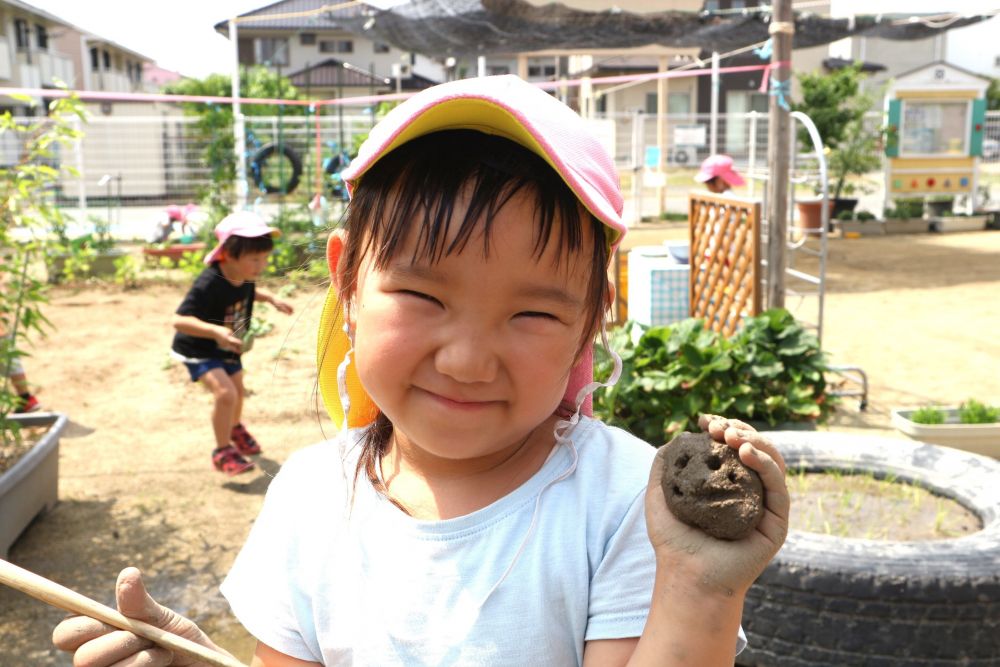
column 421, row 182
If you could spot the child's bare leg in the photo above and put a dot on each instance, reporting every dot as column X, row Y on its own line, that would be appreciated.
column 20, row 382
column 226, row 397
column 237, row 379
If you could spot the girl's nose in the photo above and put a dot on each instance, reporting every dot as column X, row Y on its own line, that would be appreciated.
column 466, row 357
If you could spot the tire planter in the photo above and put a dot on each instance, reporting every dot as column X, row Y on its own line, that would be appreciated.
column 263, row 155
column 827, row 600
column 31, row 485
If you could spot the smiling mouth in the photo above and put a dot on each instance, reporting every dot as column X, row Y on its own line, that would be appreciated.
column 459, row 403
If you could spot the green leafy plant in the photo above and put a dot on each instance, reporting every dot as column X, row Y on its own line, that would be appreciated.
column 837, row 106
column 974, row 412
column 905, row 209
column 863, row 216
column 771, row 371
column 26, row 203
column 927, row 415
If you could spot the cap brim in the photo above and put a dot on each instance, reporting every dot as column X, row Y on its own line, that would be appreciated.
column 217, row 250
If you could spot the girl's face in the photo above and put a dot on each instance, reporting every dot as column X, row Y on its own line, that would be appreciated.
column 468, row 355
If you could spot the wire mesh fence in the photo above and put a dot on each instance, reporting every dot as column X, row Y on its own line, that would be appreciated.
column 158, row 160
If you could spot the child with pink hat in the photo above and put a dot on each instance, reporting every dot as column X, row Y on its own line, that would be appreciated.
column 212, row 323
column 718, row 174
column 471, row 511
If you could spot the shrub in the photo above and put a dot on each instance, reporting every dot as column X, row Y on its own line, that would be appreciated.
column 771, row 371
column 974, row 412
column 927, row 415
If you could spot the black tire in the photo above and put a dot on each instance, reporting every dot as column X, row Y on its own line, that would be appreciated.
column 828, row 600
column 263, row 155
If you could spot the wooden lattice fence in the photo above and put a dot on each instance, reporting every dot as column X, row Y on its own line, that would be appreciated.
column 725, row 260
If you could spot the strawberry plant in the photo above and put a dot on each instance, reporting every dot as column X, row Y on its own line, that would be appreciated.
column 772, row 371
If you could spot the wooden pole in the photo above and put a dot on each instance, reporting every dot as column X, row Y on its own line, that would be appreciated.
column 56, row 595
column 782, row 29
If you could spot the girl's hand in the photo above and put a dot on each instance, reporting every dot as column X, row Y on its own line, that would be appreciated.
column 722, row 565
column 94, row 644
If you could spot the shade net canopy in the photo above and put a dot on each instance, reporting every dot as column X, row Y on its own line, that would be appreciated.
column 477, row 27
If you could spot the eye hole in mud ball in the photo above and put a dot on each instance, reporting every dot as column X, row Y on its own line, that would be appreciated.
column 707, row 486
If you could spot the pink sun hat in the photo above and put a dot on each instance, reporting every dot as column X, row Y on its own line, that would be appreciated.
column 509, row 107
column 505, row 106
column 720, row 166
column 241, row 223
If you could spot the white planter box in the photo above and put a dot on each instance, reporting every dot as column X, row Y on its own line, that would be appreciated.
column 906, row 226
column 862, row 227
column 977, row 438
column 31, row 485
column 958, row 223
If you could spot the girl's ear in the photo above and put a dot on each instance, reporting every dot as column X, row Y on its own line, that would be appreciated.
column 334, row 249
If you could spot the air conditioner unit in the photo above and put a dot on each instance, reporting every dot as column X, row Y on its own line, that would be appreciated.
column 682, row 155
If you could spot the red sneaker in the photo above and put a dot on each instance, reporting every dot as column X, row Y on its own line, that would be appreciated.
column 230, row 461
column 27, row 404
column 245, row 443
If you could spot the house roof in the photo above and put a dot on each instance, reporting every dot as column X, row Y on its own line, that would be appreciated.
column 329, row 20
column 331, row 73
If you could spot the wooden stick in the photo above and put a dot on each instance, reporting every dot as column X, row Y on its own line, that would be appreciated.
column 59, row 596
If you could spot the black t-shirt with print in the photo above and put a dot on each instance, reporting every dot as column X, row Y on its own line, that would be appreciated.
column 214, row 299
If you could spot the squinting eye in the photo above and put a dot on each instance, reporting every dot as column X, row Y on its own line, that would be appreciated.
column 537, row 314
column 420, row 295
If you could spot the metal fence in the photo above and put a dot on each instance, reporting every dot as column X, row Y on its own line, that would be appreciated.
column 154, row 160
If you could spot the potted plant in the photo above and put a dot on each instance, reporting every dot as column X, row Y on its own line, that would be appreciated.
column 837, row 107
column 972, row 426
column 905, row 216
column 28, row 458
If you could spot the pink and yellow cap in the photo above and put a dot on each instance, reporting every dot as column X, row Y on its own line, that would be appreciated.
column 505, row 106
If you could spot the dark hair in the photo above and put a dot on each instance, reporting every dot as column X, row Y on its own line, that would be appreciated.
column 420, row 184
column 237, row 246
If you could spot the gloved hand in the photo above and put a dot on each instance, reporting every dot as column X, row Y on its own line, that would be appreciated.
column 96, row 644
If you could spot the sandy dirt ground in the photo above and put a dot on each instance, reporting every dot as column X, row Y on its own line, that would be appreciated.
column 920, row 314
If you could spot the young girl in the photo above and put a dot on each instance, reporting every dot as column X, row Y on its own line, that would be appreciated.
column 471, row 513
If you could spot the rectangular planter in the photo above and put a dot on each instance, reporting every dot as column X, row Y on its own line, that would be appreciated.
column 977, row 438
column 103, row 264
column 862, row 228
column 906, row 226
column 31, row 485
column 958, row 223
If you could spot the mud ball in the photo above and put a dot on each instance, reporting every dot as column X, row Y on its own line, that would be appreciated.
column 707, row 486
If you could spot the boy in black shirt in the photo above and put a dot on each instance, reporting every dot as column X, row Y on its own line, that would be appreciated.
column 212, row 323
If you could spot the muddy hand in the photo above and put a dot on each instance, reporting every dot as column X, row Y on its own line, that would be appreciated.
column 96, row 644
column 723, row 564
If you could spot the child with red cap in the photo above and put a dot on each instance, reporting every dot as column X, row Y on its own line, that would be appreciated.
column 718, row 174
column 471, row 511
column 212, row 323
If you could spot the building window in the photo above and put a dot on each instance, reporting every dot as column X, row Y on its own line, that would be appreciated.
column 494, row 70
column 106, row 55
column 381, row 47
column 307, row 39
column 541, row 70
column 22, row 33
column 336, row 46
column 42, row 37
column 95, row 59
column 273, row 51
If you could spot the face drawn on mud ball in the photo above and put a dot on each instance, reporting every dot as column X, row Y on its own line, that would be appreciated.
column 707, row 486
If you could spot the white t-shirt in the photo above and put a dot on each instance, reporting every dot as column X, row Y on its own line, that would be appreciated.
column 323, row 580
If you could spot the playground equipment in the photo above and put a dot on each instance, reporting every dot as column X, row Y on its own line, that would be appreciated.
column 936, row 117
